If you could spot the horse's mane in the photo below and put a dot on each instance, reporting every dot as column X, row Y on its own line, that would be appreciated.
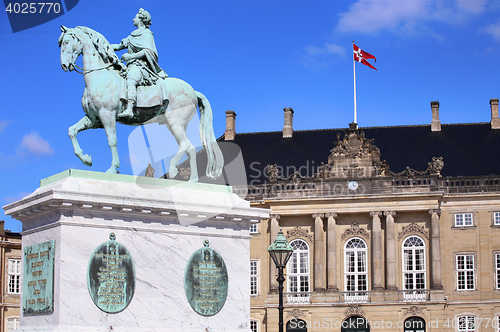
column 101, row 44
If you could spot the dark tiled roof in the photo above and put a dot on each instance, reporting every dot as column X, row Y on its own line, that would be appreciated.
column 467, row 149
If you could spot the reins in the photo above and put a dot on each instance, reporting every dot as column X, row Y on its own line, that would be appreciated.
column 84, row 72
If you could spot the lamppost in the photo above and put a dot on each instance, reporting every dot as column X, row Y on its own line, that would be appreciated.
column 280, row 251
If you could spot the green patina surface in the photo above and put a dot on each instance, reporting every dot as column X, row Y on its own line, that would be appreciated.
column 206, row 281
column 140, row 180
column 38, row 281
column 111, row 276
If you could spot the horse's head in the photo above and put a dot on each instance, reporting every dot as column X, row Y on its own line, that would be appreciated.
column 71, row 48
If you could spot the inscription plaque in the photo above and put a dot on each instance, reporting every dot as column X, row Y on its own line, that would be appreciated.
column 206, row 281
column 38, row 280
column 111, row 276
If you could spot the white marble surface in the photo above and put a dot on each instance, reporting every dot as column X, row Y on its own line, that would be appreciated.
column 159, row 243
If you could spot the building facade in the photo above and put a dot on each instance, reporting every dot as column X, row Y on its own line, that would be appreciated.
column 394, row 228
column 10, row 269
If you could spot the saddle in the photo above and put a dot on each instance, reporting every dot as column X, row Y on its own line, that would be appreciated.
column 148, row 95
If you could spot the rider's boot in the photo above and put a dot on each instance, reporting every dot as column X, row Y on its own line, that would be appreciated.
column 131, row 99
column 129, row 111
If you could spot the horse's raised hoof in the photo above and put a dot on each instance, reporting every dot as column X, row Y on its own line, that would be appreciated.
column 87, row 160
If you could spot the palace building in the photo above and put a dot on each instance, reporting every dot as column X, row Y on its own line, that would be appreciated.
column 11, row 269
column 394, row 228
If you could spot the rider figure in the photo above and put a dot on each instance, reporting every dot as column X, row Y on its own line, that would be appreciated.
column 142, row 59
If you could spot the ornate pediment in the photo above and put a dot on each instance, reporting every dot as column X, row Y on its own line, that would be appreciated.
column 299, row 232
column 353, row 145
column 413, row 310
column 413, row 229
column 355, row 230
column 354, row 310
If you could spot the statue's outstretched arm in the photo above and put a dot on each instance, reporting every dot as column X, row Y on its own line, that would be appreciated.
column 118, row 47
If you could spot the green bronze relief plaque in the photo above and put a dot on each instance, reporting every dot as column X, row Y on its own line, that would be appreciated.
column 206, row 281
column 111, row 276
column 38, row 281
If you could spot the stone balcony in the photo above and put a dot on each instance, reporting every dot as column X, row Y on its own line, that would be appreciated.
column 369, row 186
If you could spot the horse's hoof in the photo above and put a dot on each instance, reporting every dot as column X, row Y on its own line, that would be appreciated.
column 87, row 160
column 112, row 170
column 193, row 180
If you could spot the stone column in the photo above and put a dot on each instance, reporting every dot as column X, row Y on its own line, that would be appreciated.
column 377, row 268
column 435, row 250
column 332, row 253
column 390, row 250
column 273, row 271
column 319, row 253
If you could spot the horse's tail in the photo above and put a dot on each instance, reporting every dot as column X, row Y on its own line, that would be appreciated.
column 215, row 159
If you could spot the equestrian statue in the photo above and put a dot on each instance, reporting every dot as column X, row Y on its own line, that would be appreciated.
column 136, row 94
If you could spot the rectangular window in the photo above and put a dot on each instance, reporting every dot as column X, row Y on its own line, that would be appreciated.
column 466, row 324
column 254, row 228
column 254, row 278
column 496, row 218
column 253, row 326
column 497, row 271
column 463, row 220
column 14, row 276
column 12, row 324
column 465, row 272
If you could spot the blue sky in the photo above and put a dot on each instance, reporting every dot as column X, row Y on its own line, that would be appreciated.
column 254, row 57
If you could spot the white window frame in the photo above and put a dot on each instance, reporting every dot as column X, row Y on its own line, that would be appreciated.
column 14, row 276
column 468, row 318
column 254, row 277
column 254, row 228
column 12, row 323
column 299, row 281
column 463, row 219
column 409, row 256
column 466, row 271
column 358, row 294
column 495, row 219
column 256, row 325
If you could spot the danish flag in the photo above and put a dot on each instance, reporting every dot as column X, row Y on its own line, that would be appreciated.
column 362, row 56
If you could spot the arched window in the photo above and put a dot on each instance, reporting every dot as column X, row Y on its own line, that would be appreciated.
column 355, row 324
column 296, row 325
column 355, row 271
column 414, row 271
column 414, row 324
column 466, row 323
column 298, row 276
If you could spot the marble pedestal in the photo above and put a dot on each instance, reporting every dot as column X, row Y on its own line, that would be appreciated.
column 161, row 223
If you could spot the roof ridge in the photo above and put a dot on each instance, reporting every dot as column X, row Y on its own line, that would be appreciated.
column 372, row 127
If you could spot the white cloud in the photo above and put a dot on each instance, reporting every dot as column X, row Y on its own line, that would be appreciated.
column 494, row 30
column 474, row 6
column 3, row 125
column 320, row 57
column 369, row 15
column 12, row 199
column 35, row 144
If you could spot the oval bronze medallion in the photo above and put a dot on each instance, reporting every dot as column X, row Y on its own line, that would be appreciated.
column 111, row 276
column 206, row 281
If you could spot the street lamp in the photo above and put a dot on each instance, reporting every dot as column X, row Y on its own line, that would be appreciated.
column 280, row 251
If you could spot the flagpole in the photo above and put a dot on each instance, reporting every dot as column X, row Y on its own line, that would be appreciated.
column 354, row 71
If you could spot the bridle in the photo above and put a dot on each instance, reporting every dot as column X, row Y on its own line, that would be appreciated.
column 83, row 71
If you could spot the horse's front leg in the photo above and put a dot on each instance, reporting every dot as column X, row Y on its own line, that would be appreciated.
column 84, row 124
column 108, row 119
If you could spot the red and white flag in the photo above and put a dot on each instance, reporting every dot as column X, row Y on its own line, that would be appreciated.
column 362, row 56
